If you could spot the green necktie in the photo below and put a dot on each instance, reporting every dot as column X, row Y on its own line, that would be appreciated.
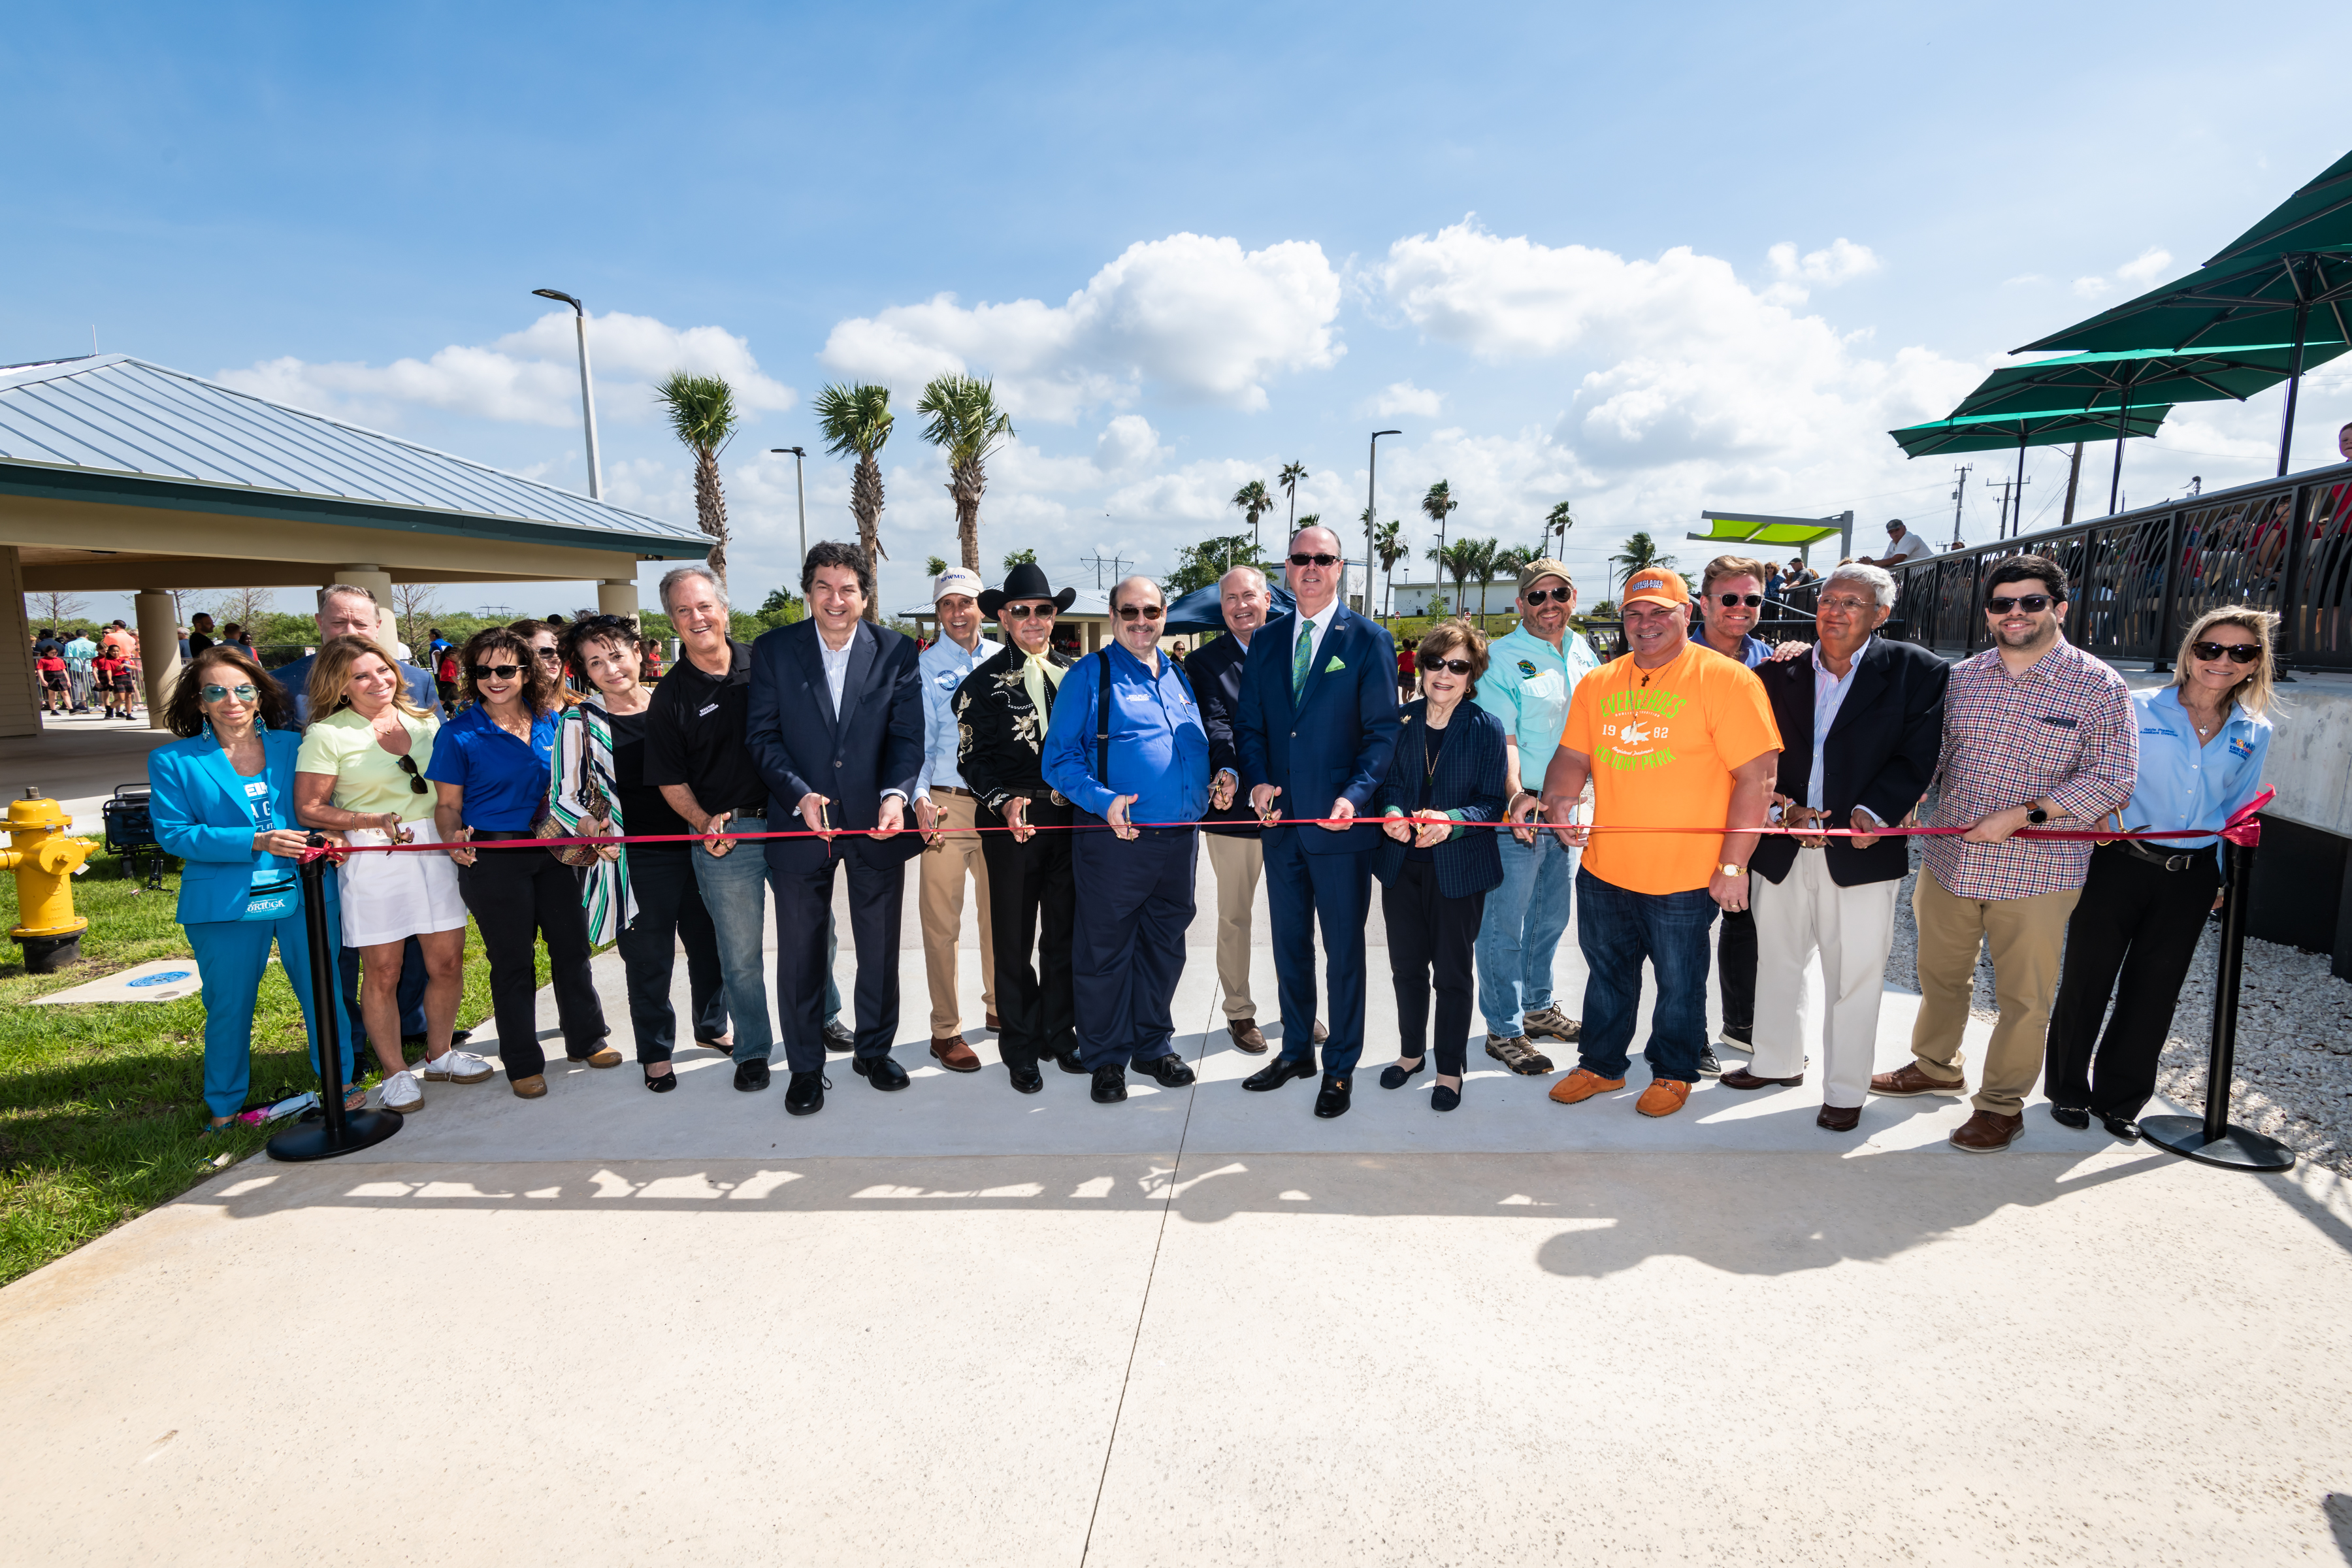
column 1302, row 655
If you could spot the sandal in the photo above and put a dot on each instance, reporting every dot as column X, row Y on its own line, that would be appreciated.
column 663, row 1084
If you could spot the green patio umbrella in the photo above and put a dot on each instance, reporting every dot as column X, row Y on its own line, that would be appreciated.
column 2317, row 218
column 2051, row 427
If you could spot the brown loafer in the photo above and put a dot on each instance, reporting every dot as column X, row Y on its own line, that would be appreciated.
column 1248, row 1037
column 1988, row 1133
column 954, row 1055
column 1740, row 1078
column 603, row 1057
column 1837, row 1118
column 1907, row 1080
column 992, row 1024
column 1321, row 1034
column 531, row 1088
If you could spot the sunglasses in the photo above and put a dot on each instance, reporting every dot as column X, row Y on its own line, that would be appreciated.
column 2235, row 652
column 2031, row 603
column 1548, row 595
column 1839, row 602
column 1733, row 601
column 1149, row 612
column 1314, row 561
column 551, row 656
column 496, row 671
column 1023, row 612
column 416, row 783
column 244, row 692
column 1458, row 666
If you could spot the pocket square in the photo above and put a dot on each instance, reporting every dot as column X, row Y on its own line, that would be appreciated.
column 1337, row 663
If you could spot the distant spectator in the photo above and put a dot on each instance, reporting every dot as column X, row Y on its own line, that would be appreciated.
column 444, row 678
column 649, row 653
column 2343, row 443
column 1903, row 547
column 49, row 659
column 1408, row 662
column 81, row 655
column 200, row 634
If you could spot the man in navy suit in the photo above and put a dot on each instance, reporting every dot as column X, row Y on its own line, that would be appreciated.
column 835, row 723
column 1316, row 727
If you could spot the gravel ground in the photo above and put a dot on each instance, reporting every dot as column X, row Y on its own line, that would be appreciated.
column 2293, row 1068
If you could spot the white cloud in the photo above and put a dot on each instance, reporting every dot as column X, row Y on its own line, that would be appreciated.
column 1841, row 262
column 2090, row 288
column 2136, row 274
column 1196, row 316
column 529, row 377
column 1404, row 397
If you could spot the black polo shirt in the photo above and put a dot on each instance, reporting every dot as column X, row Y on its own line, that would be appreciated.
column 695, row 734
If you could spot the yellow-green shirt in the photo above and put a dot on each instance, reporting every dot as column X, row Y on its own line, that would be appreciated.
column 367, row 777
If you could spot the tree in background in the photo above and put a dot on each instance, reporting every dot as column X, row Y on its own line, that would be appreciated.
column 250, row 608
column 1020, row 558
column 1387, row 548
column 1198, row 566
column 1485, row 556
column 1639, row 551
column 934, row 565
column 1253, row 503
column 1457, row 561
column 786, row 605
column 1557, row 521
column 1437, row 505
column 1288, row 479
column 967, row 425
column 52, row 611
column 854, row 421
column 415, row 608
column 703, row 415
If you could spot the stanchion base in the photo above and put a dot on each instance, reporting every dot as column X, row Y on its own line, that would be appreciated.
column 310, row 1141
column 2235, row 1149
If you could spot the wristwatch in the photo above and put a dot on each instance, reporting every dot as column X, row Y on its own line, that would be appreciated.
column 1729, row 870
column 2035, row 815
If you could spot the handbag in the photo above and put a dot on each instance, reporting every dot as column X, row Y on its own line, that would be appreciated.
column 598, row 805
column 273, row 900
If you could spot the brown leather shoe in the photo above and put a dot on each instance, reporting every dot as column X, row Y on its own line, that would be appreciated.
column 992, row 1024
column 954, row 1055
column 1321, row 1034
column 602, row 1056
column 1837, row 1118
column 1907, row 1080
column 1740, row 1078
column 531, row 1088
column 1248, row 1037
column 1988, row 1133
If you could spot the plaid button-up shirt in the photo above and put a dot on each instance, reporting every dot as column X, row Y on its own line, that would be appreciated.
column 2062, row 733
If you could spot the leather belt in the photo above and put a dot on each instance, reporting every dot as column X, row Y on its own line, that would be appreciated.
column 760, row 811
column 954, row 789
column 2181, row 862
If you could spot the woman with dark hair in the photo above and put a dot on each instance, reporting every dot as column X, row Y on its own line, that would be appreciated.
column 223, row 802
column 492, row 764
column 1435, row 873
column 642, row 897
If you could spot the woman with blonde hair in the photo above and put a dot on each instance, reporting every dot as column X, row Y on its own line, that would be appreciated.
column 2202, row 741
column 361, row 773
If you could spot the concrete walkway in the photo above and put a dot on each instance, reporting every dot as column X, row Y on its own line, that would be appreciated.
column 957, row 1325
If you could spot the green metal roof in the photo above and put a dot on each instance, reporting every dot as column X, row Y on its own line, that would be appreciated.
column 1754, row 528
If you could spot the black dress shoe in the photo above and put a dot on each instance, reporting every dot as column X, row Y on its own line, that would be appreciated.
column 1395, row 1077
column 1029, row 1082
column 837, row 1037
column 1110, row 1085
column 1279, row 1071
column 880, row 1071
column 1333, row 1100
column 459, row 1037
column 2067, row 1116
column 804, row 1093
column 1168, row 1070
column 750, row 1076
column 2122, row 1127
column 1444, row 1098
column 1067, row 1058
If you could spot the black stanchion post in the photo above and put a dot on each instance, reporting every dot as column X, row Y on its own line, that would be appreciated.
column 336, row 1132
column 2211, row 1141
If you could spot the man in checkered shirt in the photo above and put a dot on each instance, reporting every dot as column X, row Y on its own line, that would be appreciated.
column 2035, row 732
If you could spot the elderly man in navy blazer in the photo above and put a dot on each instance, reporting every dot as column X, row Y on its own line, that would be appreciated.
column 835, row 724
column 1316, row 727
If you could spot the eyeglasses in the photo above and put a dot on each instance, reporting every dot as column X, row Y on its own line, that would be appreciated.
column 1548, row 595
column 2031, row 603
column 1149, row 612
column 1314, row 561
column 244, row 692
column 2235, row 652
column 551, row 655
column 1849, row 606
column 496, row 671
column 1023, row 612
column 416, row 783
column 1733, row 601
column 1458, row 666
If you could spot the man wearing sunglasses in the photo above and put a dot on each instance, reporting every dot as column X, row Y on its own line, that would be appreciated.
column 2036, row 733
column 1318, row 726
column 1732, row 601
column 1531, row 672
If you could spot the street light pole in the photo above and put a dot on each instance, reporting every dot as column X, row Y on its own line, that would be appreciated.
column 800, row 492
column 587, row 391
column 1371, row 507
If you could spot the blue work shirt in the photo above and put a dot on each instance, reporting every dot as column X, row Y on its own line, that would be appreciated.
column 505, row 781
column 2183, row 784
column 1159, row 748
column 942, row 667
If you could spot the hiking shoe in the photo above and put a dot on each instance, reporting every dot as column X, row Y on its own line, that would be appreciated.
column 453, row 1066
column 1552, row 1023
column 403, row 1093
column 1583, row 1085
column 1518, row 1054
column 1664, row 1097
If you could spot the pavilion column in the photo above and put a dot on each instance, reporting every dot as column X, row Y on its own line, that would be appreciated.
column 20, row 706
column 159, row 649
column 617, row 597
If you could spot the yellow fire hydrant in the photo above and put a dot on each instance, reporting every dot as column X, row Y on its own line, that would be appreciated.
column 43, row 859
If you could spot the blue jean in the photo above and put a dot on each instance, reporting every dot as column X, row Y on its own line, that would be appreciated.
column 1518, row 940
column 231, row 956
column 1618, row 931
column 735, row 890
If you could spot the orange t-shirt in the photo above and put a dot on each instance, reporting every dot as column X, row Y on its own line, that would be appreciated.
column 1663, row 744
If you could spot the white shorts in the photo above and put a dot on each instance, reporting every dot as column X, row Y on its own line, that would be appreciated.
column 390, row 898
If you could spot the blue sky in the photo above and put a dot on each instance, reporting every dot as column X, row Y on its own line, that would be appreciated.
column 1647, row 262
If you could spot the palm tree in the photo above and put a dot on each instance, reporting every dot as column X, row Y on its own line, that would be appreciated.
column 1436, row 504
column 1457, row 561
column 969, row 427
column 1637, row 552
column 934, row 565
column 854, row 421
column 1019, row 558
column 1253, row 503
column 1482, row 554
column 1291, row 474
column 1388, row 546
column 1559, row 520
column 703, row 415
column 1513, row 560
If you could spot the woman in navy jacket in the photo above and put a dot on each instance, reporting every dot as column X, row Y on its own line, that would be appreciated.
column 1434, row 872
column 224, row 802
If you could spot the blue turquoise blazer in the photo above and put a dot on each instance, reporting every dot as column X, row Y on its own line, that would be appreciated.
column 200, row 814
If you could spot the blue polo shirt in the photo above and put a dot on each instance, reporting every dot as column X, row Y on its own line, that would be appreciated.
column 1158, row 749
column 505, row 781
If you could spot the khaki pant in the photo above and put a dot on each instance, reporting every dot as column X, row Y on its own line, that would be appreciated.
column 941, row 905
column 2027, row 937
column 1239, row 862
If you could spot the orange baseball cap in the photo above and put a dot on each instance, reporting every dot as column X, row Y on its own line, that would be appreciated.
column 1657, row 585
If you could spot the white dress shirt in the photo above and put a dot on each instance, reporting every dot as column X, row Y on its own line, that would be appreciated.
column 1315, row 637
column 837, row 676
column 1829, row 696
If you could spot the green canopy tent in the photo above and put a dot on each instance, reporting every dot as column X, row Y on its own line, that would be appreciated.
column 1755, row 529
column 2284, row 280
column 2056, row 427
column 2112, row 383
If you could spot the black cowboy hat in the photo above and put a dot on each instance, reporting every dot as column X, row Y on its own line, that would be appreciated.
column 1024, row 582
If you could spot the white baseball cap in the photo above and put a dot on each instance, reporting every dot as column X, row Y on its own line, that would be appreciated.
column 956, row 579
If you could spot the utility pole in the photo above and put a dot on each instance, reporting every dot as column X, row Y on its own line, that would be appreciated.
column 1959, row 494
column 1116, row 563
column 2011, row 524
column 2073, row 478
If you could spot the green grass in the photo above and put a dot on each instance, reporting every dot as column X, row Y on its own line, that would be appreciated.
column 102, row 1105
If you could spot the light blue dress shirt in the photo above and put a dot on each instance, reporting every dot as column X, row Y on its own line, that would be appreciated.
column 942, row 667
column 1829, row 696
column 2183, row 784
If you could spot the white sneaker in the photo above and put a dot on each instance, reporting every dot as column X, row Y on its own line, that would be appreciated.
column 453, row 1066
column 402, row 1093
